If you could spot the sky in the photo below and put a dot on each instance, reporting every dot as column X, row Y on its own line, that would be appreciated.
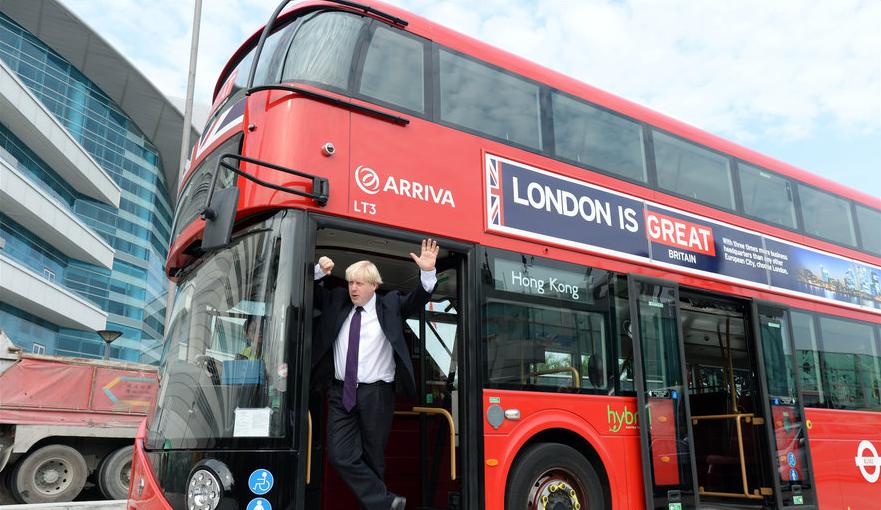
column 798, row 80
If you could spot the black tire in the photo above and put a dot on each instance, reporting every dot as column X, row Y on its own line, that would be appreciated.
column 115, row 473
column 52, row 474
column 539, row 473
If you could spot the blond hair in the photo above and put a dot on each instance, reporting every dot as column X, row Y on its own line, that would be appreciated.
column 365, row 271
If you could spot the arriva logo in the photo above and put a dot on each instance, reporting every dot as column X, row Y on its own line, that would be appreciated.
column 864, row 462
column 617, row 420
column 368, row 181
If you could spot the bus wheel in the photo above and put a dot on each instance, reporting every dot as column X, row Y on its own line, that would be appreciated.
column 553, row 476
column 115, row 473
column 54, row 473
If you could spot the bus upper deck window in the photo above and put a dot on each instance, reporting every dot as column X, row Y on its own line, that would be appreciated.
column 693, row 171
column 322, row 49
column 488, row 100
column 767, row 196
column 394, row 70
column 826, row 215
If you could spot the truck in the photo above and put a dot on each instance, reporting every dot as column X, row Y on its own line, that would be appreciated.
column 67, row 422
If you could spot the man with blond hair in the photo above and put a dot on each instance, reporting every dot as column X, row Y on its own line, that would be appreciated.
column 364, row 331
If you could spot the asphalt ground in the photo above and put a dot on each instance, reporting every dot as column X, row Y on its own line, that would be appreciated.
column 89, row 494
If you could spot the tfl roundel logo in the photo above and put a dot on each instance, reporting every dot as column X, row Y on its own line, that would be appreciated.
column 868, row 461
column 367, row 179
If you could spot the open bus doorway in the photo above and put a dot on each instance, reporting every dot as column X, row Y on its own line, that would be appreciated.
column 724, row 424
column 421, row 457
column 727, row 412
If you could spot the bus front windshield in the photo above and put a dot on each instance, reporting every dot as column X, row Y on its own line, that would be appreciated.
column 223, row 374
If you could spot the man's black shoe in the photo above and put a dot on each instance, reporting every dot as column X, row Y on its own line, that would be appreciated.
column 399, row 503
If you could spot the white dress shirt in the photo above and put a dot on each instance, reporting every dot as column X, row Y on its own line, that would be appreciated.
column 376, row 359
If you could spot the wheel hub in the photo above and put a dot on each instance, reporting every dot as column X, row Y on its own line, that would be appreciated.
column 126, row 474
column 555, row 491
column 52, row 477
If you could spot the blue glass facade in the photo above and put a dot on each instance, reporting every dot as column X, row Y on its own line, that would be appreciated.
column 133, row 291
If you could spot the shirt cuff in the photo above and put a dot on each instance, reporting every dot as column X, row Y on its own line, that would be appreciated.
column 319, row 274
column 429, row 280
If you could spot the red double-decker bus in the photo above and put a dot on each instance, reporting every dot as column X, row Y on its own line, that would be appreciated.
column 630, row 312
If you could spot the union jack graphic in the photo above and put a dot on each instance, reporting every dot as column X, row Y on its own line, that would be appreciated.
column 230, row 119
column 494, row 191
column 226, row 89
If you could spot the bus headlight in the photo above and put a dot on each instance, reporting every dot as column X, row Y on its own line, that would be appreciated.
column 208, row 481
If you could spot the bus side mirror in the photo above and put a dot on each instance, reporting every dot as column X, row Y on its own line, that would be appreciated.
column 219, row 216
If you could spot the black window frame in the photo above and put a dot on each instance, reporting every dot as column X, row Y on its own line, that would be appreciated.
column 793, row 185
column 437, row 113
column 855, row 206
column 821, row 358
column 428, row 91
column 548, row 116
column 733, row 175
column 359, row 48
column 484, row 293
column 804, row 230
column 821, row 343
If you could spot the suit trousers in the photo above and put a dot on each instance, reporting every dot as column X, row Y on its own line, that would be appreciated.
column 356, row 441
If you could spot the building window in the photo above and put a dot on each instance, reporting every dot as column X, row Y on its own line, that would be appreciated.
column 48, row 274
column 38, row 348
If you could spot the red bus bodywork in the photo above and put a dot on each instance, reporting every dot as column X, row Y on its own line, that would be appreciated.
column 446, row 166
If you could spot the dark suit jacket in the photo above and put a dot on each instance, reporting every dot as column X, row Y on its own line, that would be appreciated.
column 391, row 310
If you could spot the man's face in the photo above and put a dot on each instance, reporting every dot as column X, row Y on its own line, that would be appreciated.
column 360, row 291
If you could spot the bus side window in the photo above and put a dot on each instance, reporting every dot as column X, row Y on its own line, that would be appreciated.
column 546, row 324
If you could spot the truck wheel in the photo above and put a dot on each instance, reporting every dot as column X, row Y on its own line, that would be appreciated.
column 553, row 476
column 115, row 473
column 54, row 473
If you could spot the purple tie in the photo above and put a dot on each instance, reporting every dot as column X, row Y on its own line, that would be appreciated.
column 350, row 385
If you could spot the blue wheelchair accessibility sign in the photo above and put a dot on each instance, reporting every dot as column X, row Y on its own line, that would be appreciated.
column 260, row 482
column 259, row 504
column 791, row 459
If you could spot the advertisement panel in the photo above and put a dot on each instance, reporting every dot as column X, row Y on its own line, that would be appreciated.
column 544, row 206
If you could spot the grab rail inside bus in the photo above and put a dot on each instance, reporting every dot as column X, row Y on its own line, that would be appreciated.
column 272, row 20
column 401, row 121
column 220, row 206
column 576, row 377
column 748, row 418
column 452, row 425
column 309, row 447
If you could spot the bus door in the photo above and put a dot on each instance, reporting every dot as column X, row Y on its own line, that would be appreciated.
column 437, row 340
column 665, row 419
column 424, row 447
column 786, row 427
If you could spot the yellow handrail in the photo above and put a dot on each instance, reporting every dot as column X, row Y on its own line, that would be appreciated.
column 736, row 417
column 309, row 448
column 443, row 412
column 576, row 377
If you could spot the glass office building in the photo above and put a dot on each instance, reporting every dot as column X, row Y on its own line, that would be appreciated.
column 86, row 204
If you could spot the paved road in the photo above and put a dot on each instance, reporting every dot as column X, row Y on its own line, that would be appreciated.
column 7, row 503
column 76, row 505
